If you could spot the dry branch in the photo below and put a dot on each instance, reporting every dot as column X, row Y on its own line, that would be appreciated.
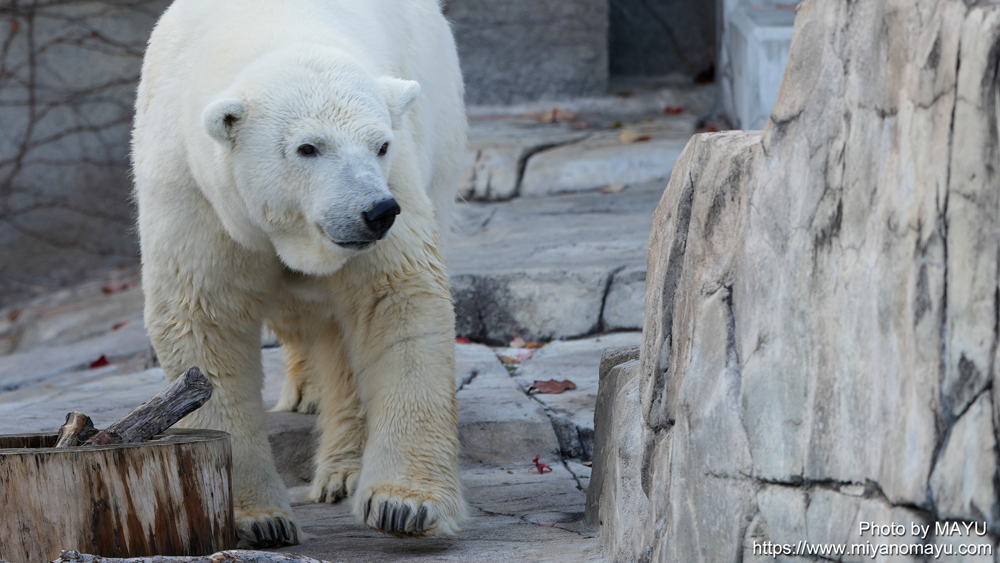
column 233, row 556
column 78, row 428
column 160, row 412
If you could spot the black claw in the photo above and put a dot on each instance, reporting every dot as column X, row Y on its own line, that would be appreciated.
column 257, row 531
column 273, row 529
column 286, row 532
column 384, row 517
column 322, row 496
column 421, row 517
column 404, row 512
column 368, row 510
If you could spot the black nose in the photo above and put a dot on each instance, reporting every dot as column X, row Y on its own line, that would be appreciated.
column 381, row 217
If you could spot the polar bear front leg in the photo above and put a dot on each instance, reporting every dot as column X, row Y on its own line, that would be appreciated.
column 201, row 316
column 399, row 333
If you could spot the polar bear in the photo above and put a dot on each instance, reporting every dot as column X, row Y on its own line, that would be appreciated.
column 294, row 164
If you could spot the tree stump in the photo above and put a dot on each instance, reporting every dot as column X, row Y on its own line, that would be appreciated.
column 168, row 496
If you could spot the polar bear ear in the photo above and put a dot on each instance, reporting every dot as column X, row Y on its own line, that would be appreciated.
column 400, row 94
column 220, row 116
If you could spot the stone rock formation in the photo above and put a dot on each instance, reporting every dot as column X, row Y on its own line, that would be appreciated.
column 822, row 307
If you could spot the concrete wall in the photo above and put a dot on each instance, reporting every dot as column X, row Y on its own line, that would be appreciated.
column 522, row 50
column 754, row 40
column 67, row 78
column 661, row 37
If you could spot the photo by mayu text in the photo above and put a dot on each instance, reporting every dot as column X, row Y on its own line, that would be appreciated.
column 880, row 540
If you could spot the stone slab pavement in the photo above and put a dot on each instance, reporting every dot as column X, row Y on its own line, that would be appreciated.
column 517, row 514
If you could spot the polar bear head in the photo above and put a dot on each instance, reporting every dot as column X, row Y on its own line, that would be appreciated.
column 307, row 141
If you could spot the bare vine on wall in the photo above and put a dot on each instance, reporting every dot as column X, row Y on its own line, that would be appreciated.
column 68, row 71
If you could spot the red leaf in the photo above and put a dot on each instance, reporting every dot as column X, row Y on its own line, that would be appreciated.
column 116, row 287
column 14, row 26
column 673, row 110
column 552, row 387
column 540, row 467
column 100, row 362
column 118, row 325
column 462, row 340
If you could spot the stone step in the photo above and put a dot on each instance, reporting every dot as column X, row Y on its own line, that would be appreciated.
column 552, row 268
column 519, row 157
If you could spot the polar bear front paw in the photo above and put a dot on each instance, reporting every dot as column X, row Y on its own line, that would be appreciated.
column 402, row 512
column 334, row 482
column 266, row 528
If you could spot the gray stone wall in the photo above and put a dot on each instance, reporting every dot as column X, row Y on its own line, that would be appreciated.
column 521, row 50
column 661, row 37
column 68, row 71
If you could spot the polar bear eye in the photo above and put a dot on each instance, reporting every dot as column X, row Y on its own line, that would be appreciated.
column 384, row 149
column 307, row 150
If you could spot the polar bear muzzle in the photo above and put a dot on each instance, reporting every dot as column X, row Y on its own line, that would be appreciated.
column 359, row 235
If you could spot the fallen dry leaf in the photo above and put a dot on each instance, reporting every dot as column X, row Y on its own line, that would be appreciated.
column 118, row 325
column 708, row 129
column 612, row 189
column 629, row 136
column 517, row 343
column 587, row 464
column 552, row 387
column 534, row 345
column 116, row 287
column 13, row 315
column 14, row 26
column 539, row 466
column 673, row 110
column 556, row 115
column 462, row 340
column 546, row 524
column 509, row 360
column 100, row 362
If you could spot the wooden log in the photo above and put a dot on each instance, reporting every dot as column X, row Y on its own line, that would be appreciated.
column 160, row 412
column 232, row 556
column 170, row 496
column 78, row 428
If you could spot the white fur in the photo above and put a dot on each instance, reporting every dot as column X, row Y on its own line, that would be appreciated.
column 238, row 227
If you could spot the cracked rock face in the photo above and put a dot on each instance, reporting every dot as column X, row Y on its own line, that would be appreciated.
column 821, row 324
